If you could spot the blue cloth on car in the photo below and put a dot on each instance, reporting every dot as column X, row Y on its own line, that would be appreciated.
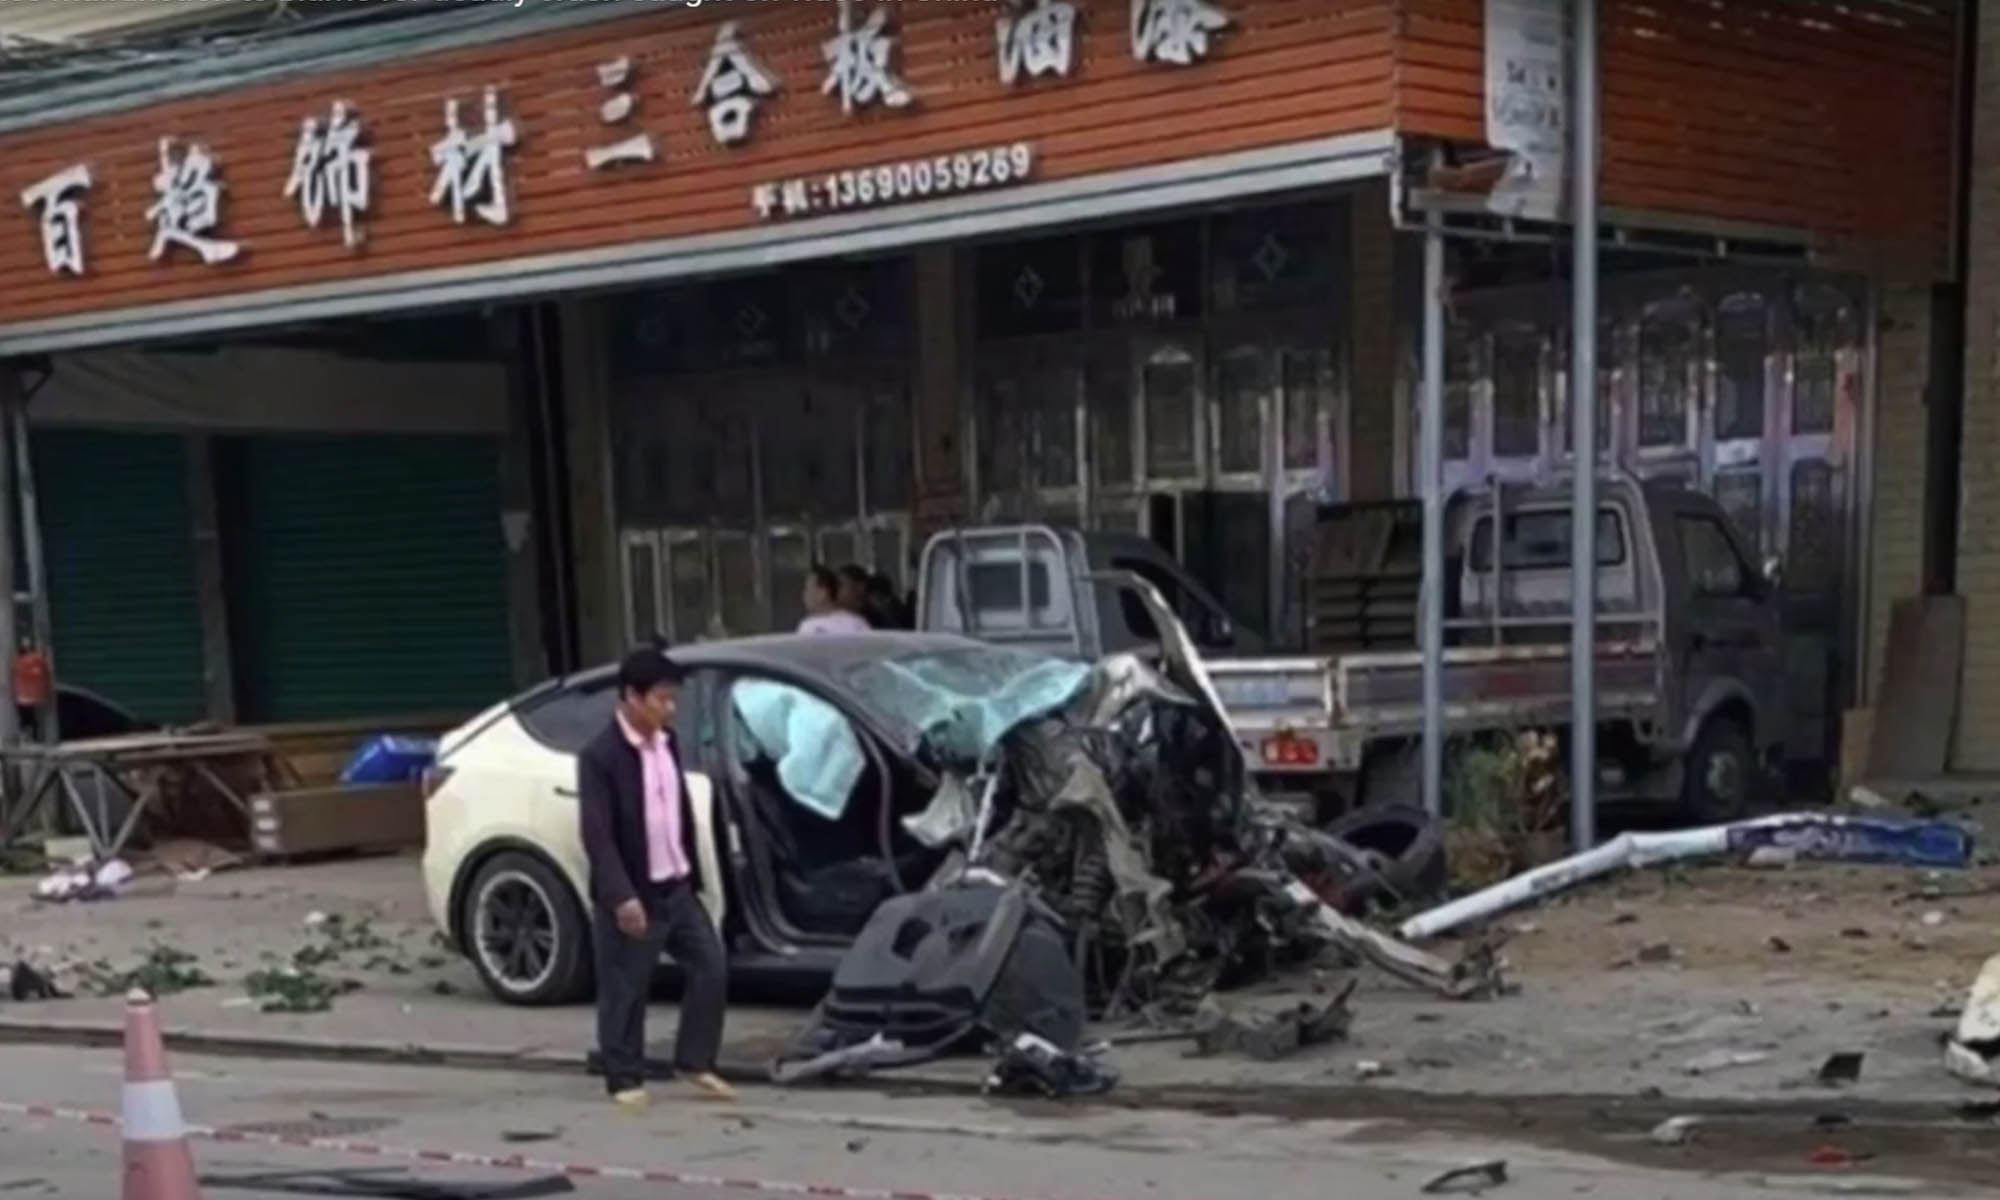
column 819, row 757
column 964, row 704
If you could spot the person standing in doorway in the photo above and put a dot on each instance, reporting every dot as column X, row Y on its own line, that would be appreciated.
column 639, row 835
column 824, row 612
column 853, row 593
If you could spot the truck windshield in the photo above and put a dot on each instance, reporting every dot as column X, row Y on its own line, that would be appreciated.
column 1539, row 540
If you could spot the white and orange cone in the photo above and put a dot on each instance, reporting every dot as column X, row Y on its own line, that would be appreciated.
column 158, row 1163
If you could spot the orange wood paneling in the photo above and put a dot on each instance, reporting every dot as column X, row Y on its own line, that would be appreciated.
column 1289, row 70
column 1836, row 119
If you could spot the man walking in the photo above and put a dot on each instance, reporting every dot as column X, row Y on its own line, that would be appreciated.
column 638, row 832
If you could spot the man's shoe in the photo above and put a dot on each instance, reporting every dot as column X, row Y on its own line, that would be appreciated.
column 632, row 1100
column 711, row 1086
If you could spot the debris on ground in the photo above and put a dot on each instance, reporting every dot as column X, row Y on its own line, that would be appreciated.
column 1468, row 1180
column 1723, row 1060
column 191, row 860
column 1829, row 1155
column 163, row 971
column 1675, row 1131
column 1973, row 1051
column 85, row 880
column 1034, row 1066
column 388, row 1183
column 1839, row 1069
column 295, row 989
column 1268, row 1033
column 1819, row 836
column 25, row 984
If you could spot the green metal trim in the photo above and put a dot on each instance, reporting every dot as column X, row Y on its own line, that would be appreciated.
column 118, row 538
column 371, row 576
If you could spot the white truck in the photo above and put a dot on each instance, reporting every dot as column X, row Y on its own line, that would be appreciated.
column 1689, row 680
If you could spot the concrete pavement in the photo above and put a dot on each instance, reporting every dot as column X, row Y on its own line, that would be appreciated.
column 860, row 1139
column 1577, row 1028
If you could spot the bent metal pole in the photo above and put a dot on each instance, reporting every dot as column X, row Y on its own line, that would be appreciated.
column 1430, row 454
column 1583, row 437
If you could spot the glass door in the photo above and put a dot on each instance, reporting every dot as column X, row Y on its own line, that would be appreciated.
column 1741, row 397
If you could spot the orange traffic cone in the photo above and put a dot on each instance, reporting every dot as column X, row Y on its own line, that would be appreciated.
column 158, row 1164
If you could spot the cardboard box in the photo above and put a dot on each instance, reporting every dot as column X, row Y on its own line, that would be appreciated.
column 321, row 820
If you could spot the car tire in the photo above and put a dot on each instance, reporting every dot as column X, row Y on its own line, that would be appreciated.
column 1404, row 845
column 1720, row 778
column 526, row 933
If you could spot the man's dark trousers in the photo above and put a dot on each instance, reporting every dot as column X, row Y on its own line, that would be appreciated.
column 677, row 923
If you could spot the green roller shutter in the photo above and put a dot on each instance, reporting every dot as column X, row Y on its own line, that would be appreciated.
column 370, row 576
column 119, row 545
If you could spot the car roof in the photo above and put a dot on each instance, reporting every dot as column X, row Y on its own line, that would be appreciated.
column 823, row 658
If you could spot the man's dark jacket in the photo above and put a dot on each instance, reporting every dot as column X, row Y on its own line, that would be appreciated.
column 611, row 808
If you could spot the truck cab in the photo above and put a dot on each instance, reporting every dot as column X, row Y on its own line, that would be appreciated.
column 1047, row 588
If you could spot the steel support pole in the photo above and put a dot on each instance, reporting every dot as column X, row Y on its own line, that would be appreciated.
column 1583, row 415
column 1430, row 471
column 10, row 635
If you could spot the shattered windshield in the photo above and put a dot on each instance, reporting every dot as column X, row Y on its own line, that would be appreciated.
column 964, row 700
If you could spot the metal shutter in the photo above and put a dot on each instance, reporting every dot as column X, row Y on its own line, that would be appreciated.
column 372, row 576
column 118, row 541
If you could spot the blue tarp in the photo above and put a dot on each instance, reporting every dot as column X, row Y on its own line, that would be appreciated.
column 819, row 758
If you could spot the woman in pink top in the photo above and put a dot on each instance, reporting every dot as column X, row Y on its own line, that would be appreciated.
column 823, row 612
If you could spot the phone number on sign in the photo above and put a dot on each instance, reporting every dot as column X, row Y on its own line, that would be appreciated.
column 966, row 171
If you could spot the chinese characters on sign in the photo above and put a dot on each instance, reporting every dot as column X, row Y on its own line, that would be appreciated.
column 1039, row 41
column 189, row 206
column 1174, row 31
column 636, row 148
column 61, row 217
column 857, row 62
column 472, row 166
column 731, row 87
column 330, row 170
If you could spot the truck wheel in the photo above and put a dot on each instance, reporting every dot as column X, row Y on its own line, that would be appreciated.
column 1720, row 779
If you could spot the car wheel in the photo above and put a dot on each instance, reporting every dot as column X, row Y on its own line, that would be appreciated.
column 528, row 935
column 1720, row 783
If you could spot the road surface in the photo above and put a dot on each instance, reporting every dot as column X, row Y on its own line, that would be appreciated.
column 858, row 1138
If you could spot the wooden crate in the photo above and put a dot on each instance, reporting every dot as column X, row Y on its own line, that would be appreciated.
column 322, row 820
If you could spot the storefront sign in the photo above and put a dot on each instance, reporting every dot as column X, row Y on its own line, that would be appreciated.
column 1040, row 41
column 1527, row 104
column 892, row 183
column 1174, row 31
column 732, row 85
column 60, row 213
column 472, row 166
column 189, row 206
column 330, row 170
column 616, row 110
column 857, row 63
